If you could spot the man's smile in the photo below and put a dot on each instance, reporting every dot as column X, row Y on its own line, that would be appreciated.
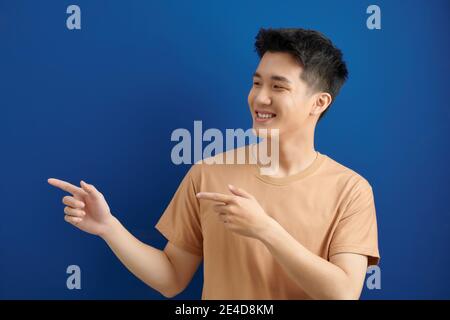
column 264, row 116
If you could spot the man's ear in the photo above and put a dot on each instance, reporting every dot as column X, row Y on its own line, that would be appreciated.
column 321, row 102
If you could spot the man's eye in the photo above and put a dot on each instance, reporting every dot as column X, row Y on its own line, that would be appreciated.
column 256, row 83
column 278, row 87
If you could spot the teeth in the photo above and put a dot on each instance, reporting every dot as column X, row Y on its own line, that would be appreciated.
column 265, row 115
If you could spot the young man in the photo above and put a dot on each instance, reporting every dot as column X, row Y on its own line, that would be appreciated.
column 309, row 231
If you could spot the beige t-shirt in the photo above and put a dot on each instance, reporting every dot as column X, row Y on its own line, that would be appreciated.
column 327, row 207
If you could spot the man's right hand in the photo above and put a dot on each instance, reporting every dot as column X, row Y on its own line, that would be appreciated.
column 86, row 208
column 168, row 271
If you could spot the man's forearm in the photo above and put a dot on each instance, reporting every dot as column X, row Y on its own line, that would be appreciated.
column 319, row 278
column 149, row 264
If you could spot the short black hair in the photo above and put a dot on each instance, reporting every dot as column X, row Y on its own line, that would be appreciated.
column 323, row 66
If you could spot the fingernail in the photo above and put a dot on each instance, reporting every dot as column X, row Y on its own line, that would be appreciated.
column 230, row 186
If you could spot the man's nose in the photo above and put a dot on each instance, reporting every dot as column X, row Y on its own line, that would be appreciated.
column 263, row 98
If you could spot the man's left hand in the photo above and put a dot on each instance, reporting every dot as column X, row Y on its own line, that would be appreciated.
column 240, row 212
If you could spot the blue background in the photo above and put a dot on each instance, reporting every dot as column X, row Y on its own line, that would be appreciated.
column 100, row 104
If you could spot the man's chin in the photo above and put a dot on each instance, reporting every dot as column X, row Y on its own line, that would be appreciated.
column 264, row 131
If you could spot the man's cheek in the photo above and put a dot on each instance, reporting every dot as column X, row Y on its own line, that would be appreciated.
column 250, row 98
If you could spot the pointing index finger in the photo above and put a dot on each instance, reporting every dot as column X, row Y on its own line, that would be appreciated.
column 214, row 196
column 66, row 186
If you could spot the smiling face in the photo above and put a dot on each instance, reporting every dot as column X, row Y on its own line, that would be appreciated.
column 280, row 99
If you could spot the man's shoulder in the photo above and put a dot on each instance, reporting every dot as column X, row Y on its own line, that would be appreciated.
column 233, row 156
column 227, row 161
column 344, row 174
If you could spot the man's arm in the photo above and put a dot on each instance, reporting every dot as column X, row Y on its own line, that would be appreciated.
column 340, row 278
column 168, row 271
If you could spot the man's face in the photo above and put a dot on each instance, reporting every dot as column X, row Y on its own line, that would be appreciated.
column 279, row 99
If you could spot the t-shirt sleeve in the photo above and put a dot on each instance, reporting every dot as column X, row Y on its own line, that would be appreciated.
column 180, row 222
column 356, row 231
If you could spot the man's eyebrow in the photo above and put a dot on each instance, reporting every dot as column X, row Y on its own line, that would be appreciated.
column 274, row 77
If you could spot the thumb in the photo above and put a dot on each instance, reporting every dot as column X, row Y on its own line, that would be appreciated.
column 89, row 188
column 239, row 192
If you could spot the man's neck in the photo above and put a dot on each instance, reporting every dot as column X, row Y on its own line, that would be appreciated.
column 295, row 157
column 296, row 153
